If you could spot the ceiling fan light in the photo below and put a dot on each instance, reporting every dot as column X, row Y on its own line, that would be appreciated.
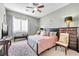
column 35, row 9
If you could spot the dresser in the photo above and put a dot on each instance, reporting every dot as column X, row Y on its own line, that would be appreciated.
column 78, row 37
column 73, row 40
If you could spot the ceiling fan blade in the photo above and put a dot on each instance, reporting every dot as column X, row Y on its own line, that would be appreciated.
column 39, row 10
column 41, row 6
column 29, row 7
column 35, row 4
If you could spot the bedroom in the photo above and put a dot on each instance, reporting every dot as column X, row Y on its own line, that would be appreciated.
column 22, row 22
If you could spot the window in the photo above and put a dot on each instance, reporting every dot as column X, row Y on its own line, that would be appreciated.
column 20, row 25
column 16, row 25
column 24, row 25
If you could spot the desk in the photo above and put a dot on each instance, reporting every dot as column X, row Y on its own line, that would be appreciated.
column 5, row 42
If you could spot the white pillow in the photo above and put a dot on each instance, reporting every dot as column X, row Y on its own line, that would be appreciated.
column 47, row 33
column 43, row 33
column 38, row 32
column 52, row 33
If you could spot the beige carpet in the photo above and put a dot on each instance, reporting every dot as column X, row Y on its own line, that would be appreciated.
column 21, row 48
column 60, row 52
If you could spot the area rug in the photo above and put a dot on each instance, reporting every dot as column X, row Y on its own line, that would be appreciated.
column 20, row 48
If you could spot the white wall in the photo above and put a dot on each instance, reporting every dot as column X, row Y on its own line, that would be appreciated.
column 33, row 26
column 56, row 19
column 2, row 12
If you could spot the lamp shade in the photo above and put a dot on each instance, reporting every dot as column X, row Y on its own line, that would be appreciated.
column 68, row 19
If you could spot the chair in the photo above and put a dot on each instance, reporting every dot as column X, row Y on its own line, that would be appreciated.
column 63, row 41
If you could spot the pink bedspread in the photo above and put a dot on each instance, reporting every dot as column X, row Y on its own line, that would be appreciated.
column 46, row 42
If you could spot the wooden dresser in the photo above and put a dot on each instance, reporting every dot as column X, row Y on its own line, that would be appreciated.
column 73, row 41
column 78, row 37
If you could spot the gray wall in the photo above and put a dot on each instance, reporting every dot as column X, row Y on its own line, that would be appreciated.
column 56, row 19
column 33, row 24
column 2, row 13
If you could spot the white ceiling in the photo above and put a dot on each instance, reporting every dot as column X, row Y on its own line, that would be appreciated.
column 21, row 8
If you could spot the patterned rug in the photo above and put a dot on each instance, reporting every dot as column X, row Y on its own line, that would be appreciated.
column 21, row 48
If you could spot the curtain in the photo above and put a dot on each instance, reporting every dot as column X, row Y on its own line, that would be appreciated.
column 20, row 25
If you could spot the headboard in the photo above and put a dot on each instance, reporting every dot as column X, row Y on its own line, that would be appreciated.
column 51, row 30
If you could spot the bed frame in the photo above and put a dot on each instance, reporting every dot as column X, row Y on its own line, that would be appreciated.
column 37, row 49
column 47, row 29
column 34, row 50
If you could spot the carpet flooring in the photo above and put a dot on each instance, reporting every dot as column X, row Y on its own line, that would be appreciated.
column 21, row 48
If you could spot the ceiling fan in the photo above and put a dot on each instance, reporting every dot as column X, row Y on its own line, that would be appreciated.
column 35, row 7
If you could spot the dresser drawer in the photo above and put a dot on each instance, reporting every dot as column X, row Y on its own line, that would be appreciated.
column 73, row 46
column 72, row 29
column 72, row 43
column 72, row 32
column 73, row 36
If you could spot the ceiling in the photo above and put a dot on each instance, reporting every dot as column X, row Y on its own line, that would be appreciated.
column 21, row 8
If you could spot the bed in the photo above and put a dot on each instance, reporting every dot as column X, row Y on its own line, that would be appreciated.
column 41, row 43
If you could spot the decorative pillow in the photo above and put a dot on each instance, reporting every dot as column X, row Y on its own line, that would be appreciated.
column 43, row 33
column 52, row 33
column 38, row 32
column 47, row 33
column 64, row 38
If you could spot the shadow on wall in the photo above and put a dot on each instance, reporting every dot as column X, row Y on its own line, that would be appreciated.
column 75, row 21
